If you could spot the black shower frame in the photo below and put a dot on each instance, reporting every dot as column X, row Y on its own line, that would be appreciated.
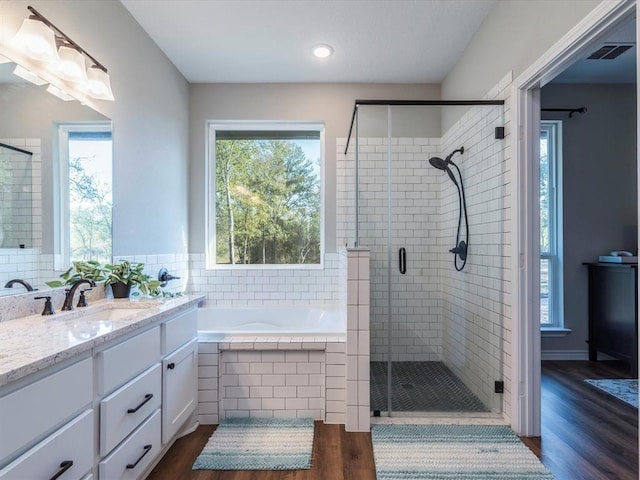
column 15, row 149
column 416, row 103
column 428, row 103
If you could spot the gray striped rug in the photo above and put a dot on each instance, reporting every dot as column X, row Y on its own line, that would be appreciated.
column 258, row 444
column 453, row 452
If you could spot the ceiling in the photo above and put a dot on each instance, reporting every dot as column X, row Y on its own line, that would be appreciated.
column 619, row 70
column 264, row 41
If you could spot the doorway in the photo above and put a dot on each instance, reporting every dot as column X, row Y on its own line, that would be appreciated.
column 527, row 106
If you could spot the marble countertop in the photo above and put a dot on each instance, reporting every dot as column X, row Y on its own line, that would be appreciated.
column 33, row 343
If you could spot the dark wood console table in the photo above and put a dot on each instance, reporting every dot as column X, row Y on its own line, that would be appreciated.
column 613, row 312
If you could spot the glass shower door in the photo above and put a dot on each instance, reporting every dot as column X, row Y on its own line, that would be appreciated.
column 436, row 330
column 373, row 227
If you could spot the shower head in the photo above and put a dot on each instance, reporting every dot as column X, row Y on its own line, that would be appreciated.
column 439, row 163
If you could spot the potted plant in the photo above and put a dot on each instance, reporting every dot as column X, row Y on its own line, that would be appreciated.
column 90, row 269
column 124, row 275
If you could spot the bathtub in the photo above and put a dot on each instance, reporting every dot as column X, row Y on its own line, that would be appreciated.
column 218, row 323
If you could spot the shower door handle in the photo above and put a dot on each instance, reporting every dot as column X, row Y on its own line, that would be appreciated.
column 402, row 260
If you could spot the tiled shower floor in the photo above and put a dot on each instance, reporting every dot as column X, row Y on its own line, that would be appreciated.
column 421, row 387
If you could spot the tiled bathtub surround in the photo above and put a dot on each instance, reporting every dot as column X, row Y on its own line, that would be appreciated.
column 270, row 286
column 358, row 372
column 272, row 377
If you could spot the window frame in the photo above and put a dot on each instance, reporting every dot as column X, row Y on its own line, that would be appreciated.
column 62, row 230
column 210, row 179
column 554, row 255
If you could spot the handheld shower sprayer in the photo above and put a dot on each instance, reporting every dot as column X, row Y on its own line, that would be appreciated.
column 462, row 246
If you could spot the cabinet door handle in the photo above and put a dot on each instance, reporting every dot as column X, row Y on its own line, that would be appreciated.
column 147, row 448
column 64, row 466
column 147, row 397
column 171, row 366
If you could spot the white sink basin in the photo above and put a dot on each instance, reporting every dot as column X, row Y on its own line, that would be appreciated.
column 110, row 314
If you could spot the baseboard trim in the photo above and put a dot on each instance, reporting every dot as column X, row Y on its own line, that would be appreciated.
column 571, row 355
column 565, row 355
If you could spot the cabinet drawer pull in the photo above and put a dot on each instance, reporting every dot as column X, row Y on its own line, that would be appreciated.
column 147, row 448
column 64, row 466
column 147, row 397
column 171, row 366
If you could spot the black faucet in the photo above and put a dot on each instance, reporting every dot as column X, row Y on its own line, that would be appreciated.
column 48, row 308
column 68, row 300
column 24, row 283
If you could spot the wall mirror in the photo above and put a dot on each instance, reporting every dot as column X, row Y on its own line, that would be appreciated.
column 50, row 149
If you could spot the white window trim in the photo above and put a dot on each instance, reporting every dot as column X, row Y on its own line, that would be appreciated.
column 62, row 257
column 210, row 178
column 555, row 254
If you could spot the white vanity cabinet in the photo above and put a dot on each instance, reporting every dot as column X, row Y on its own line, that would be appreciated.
column 179, row 383
column 110, row 414
column 35, row 411
column 146, row 412
column 179, row 388
column 66, row 454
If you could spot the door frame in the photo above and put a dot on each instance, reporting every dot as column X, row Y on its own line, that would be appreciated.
column 526, row 354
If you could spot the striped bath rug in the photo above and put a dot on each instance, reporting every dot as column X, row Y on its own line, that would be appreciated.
column 258, row 444
column 453, row 452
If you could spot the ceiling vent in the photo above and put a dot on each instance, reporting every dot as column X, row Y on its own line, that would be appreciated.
column 609, row 52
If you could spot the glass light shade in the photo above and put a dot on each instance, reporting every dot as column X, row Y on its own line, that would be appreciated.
column 99, row 84
column 70, row 66
column 55, row 91
column 36, row 40
column 28, row 75
column 322, row 51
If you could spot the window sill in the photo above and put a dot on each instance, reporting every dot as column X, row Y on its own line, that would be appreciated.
column 554, row 331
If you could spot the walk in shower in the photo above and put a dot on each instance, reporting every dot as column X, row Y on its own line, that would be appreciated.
column 429, row 201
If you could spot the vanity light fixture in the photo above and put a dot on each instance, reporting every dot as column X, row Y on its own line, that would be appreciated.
column 36, row 39
column 70, row 66
column 38, row 34
column 28, row 75
column 55, row 91
column 322, row 51
column 98, row 84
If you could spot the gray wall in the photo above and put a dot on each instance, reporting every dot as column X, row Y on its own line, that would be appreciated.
column 512, row 37
column 599, row 184
column 331, row 103
column 150, row 120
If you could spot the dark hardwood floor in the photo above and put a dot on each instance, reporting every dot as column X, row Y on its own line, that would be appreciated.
column 586, row 435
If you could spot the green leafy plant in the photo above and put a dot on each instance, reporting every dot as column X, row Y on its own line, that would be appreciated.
column 131, row 273
column 91, row 270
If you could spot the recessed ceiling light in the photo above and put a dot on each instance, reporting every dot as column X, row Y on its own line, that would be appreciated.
column 323, row 51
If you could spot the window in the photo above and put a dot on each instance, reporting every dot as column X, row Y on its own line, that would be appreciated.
column 265, row 194
column 85, row 193
column 550, row 225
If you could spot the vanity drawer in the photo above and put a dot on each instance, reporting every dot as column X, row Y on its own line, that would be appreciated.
column 124, row 361
column 35, row 409
column 179, row 331
column 117, row 420
column 135, row 454
column 68, row 450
